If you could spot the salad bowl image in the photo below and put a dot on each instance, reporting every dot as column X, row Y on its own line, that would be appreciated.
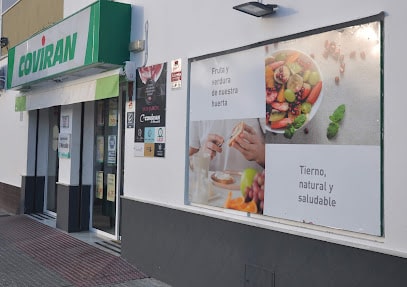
column 293, row 91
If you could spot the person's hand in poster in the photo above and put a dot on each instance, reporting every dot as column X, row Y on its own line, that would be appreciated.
column 224, row 139
column 250, row 144
column 212, row 145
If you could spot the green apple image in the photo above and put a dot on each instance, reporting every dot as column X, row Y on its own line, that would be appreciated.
column 314, row 78
column 246, row 179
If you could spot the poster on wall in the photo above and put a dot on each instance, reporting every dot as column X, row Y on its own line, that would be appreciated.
column 66, row 121
column 150, row 111
column 64, row 146
column 176, row 74
column 292, row 129
column 130, row 120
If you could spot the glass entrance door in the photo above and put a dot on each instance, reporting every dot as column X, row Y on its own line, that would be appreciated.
column 105, row 165
column 50, row 197
column 108, row 161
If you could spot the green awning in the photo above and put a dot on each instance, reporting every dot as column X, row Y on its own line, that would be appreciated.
column 96, row 89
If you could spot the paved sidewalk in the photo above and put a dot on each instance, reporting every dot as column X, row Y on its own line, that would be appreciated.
column 34, row 254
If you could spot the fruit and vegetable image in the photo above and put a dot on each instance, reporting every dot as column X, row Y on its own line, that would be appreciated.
column 335, row 118
column 293, row 91
column 252, row 188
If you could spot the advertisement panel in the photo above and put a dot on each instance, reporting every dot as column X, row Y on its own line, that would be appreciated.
column 151, row 82
column 292, row 128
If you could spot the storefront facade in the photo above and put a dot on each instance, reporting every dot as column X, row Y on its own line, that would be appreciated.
column 344, row 169
column 187, row 242
column 69, row 84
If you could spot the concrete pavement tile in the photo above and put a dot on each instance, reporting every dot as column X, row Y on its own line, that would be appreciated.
column 146, row 282
column 17, row 269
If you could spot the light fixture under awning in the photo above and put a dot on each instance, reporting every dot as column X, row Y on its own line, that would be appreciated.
column 92, row 41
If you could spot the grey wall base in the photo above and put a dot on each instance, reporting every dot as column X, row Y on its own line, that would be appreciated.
column 73, row 208
column 32, row 194
column 185, row 249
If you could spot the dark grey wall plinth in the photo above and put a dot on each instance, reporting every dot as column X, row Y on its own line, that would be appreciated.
column 73, row 206
column 84, row 209
column 68, row 208
column 185, row 249
column 32, row 194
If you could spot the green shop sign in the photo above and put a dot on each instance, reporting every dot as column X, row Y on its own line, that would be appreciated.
column 49, row 56
column 93, row 40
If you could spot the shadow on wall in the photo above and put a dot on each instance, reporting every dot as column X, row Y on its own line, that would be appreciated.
column 282, row 12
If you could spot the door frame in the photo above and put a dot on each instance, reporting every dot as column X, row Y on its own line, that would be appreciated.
column 123, row 92
column 45, row 209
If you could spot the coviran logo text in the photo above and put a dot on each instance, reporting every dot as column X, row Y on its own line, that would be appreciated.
column 48, row 56
column 154, row 119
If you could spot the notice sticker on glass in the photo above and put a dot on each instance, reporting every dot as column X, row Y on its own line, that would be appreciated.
column 100, row 114
column 111, row 149
column 111, row 187
column 100, row 148
column 113, row 112
column 99, row 184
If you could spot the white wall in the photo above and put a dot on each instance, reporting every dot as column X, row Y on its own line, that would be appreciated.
column 184, row 29
column 13, row 129
column 71, row 7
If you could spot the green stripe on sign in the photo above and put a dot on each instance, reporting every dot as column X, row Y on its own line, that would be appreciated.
column 10, row 67
column 92, row 46
column 20, row 105
column 107, row 87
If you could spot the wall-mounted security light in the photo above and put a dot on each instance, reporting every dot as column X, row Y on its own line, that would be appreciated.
column 257, row 9
column 25, row 89
column 4, row 42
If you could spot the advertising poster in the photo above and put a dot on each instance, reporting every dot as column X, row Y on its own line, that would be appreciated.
column 111, row 187
column 292, row 129
column 99, row 185
column 150, row 112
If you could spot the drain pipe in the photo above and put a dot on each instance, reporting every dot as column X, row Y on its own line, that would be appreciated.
column 80, row 166
column 36, row 160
